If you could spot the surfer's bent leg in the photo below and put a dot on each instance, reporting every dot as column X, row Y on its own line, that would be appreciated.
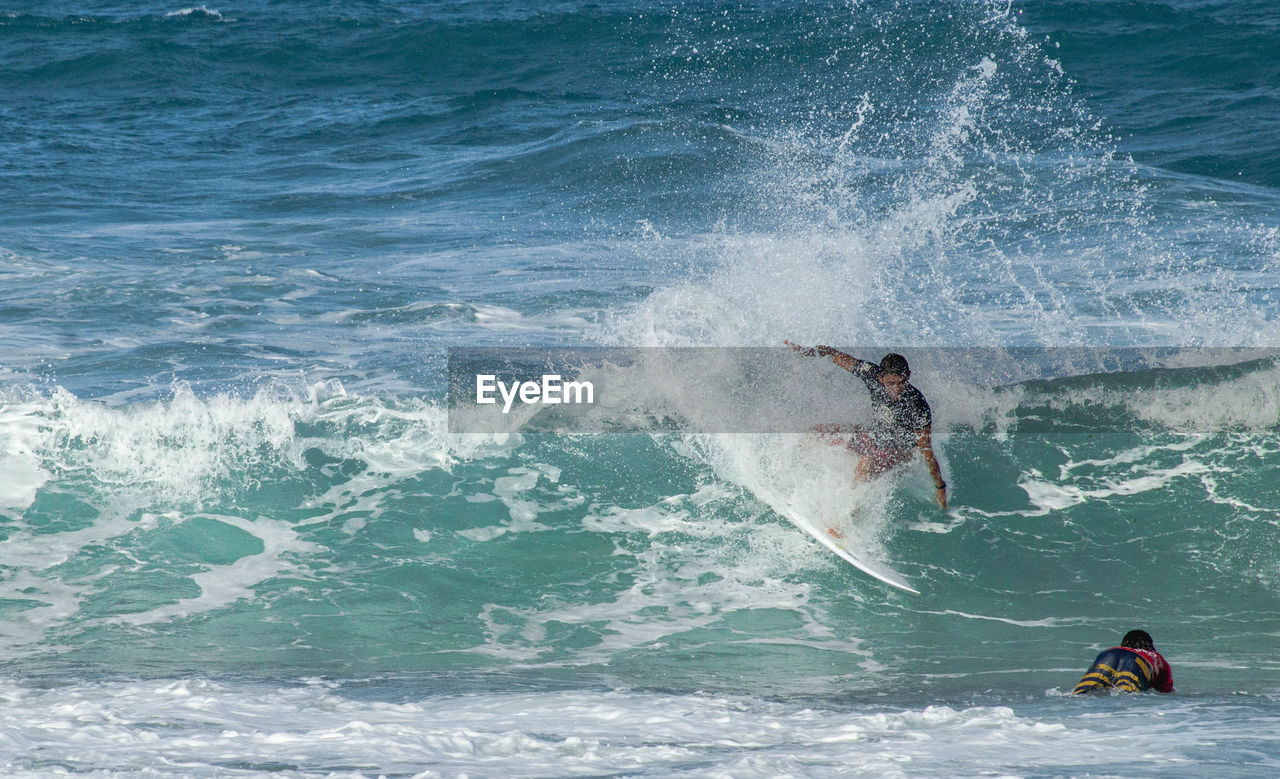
column 833, row 433
column 875, row 461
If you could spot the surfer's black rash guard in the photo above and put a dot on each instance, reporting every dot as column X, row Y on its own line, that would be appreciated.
column 897, row 423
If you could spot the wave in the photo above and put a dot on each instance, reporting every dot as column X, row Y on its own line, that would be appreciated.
column 138, row 530
column 1209, row 398
column 876, row 183
column 188, row 450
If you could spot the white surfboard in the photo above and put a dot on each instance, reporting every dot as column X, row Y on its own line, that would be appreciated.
column 807, row 491
column 870, row 567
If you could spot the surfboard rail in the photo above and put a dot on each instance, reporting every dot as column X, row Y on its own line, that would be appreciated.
column 870, row 567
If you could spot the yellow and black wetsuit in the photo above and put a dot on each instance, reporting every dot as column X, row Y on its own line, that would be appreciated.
column 1130, row 670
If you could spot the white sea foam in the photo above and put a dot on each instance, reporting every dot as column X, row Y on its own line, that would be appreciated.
column 22, row 435
column 206, row 728
column 1251, row 402
column 1128, row 472
column 202, row 10
column 53, row 601
column 513, row 490
column 222, row 585
column 185, row 449
column 801, row 477
column 691, row 568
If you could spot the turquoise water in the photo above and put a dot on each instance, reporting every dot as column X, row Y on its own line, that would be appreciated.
column 237, row 536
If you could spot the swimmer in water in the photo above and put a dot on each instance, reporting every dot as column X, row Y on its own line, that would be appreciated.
column 1133, row 666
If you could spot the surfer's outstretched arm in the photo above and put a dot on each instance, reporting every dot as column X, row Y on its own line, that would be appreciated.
column 807, row 351
column 925, row 441
column 846, row 361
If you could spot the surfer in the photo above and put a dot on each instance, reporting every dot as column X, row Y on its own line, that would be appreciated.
column 902, row 423
column 1133, row 666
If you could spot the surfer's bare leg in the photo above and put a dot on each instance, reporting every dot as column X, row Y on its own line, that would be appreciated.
column 864, row 471
column 869, row 466
column 874, row 462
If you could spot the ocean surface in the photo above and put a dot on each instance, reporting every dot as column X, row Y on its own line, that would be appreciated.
column 239, row 240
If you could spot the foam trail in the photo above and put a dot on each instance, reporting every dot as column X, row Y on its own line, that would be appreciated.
column 221, row 586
